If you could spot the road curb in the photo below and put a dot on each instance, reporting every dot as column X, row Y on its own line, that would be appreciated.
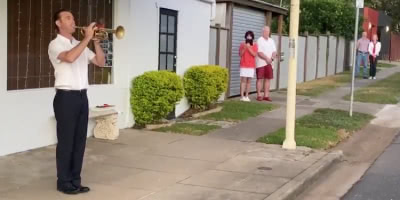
column 298, row 184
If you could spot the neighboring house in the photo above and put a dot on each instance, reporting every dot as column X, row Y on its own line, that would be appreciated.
column 384, row 34
column 371, row 20
column 160, row 35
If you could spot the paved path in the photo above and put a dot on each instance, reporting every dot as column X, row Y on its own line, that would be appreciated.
column 150, row 166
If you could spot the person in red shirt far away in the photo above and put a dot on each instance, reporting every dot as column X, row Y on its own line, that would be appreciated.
column 374, row 49
column 248, row 52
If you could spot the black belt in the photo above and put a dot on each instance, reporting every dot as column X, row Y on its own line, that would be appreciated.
column 362, row 52
column 83, row 91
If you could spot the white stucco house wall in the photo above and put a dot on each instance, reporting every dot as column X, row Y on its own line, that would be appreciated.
column 27, row 118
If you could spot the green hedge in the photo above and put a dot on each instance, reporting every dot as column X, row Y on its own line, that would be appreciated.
column 154, row 95
column 205, row 84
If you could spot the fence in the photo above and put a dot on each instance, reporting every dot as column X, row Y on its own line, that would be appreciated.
column 218, row 46
column 394, row 50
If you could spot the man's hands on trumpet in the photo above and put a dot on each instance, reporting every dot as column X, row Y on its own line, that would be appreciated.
column 89, row 32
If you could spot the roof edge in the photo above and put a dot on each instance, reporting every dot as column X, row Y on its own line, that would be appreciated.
column 258, row 4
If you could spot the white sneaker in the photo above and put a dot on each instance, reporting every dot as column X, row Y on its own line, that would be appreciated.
column 243, row 99
column 247, row 99
column 370, row 77
column 374, row 78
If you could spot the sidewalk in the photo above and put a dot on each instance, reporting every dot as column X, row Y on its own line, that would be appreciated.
column 149, row 166
column 226, row 164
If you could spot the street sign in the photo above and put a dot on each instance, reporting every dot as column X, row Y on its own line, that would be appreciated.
column 360, row 3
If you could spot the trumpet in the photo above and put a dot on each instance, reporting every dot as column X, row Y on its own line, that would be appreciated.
column 102, row 33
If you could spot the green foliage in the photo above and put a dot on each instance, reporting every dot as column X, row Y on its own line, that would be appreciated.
column 205, row 84
column 154, row 95
column 322, row 16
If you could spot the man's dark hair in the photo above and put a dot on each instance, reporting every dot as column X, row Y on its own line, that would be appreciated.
column 57, row 17
column 249, row 33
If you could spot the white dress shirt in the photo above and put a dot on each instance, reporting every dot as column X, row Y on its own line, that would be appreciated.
column 69, row 76
column 267, row 47
column 377, row 48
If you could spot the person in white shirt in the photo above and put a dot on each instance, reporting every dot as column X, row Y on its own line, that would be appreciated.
column 264, row 64
column 70, row 59
column 374, row 49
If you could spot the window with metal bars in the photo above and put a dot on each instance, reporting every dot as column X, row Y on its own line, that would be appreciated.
column 30, row 29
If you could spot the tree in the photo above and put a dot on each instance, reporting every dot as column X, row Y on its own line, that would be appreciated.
column 322, row 16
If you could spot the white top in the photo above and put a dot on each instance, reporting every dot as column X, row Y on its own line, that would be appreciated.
column 377, row 48
column 267, row 47
column 69, row 76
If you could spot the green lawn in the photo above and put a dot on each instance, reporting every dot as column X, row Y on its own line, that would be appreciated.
column 386, row 65
column 385, row 91
column 322, row 129
column 188, row 128
column 238, row 111
column 317, row 87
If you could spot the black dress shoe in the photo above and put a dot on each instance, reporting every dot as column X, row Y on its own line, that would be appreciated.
column 68, row 190
column 82, row 189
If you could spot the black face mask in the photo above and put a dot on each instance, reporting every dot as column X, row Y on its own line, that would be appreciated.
column 249, row 41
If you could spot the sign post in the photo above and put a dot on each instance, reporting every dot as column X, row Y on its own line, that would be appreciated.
column 359, row 4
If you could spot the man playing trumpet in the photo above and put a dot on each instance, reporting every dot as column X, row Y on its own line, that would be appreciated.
column 70, row 59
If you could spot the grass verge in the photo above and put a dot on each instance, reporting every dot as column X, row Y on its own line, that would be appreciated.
column 385, row 91
column 238, row 111
column 323, row 129
column 317, row 87
column 385, row 65
column 188, row 128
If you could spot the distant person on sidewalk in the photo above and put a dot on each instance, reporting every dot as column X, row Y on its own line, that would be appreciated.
column 362, row 54
column 248, row 52
column 374, row 49
column 264, row 63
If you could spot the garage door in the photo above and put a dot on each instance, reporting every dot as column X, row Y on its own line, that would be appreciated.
column 244, row 19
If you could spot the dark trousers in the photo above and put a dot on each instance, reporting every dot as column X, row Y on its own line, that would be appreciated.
column 372, row 68
column 71, row 111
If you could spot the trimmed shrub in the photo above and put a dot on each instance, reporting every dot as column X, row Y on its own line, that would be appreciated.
column 205, row 84
column 154, row 95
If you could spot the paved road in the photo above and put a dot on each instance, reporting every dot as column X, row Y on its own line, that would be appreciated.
column 382, row 180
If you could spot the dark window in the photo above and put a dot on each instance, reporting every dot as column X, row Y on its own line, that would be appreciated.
column 30, row 30
column 168, row 38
